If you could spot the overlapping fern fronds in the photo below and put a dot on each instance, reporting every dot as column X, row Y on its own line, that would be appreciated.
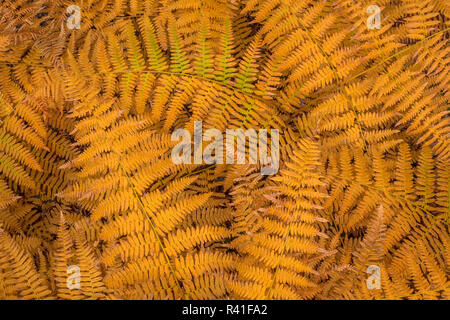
column 87, row 179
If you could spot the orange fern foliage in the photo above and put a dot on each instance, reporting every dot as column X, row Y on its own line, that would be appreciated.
column 87, row 181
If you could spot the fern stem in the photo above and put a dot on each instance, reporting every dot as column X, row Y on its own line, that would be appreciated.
column 269, row 289
column 161, row 244
column 398, row 53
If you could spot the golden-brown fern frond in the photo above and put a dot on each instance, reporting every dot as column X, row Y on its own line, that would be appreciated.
column 280, row 235
column 19, row 278
column 93, row 205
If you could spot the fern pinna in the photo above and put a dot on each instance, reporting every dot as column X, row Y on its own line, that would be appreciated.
column 87, row 182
